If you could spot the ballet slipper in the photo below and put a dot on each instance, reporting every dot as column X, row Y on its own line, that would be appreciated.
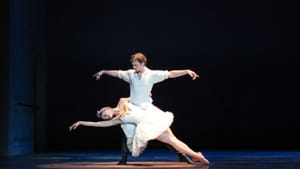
column 201, row 159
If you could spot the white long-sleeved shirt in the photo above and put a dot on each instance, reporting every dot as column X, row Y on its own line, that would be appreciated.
column 140, row 89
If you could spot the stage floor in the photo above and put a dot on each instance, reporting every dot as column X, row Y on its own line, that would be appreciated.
column 154, row 159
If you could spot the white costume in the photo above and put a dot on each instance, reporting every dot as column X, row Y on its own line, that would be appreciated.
column 140, row 90
column 149, row 124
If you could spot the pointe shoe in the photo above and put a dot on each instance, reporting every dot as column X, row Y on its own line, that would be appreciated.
column 201, row 159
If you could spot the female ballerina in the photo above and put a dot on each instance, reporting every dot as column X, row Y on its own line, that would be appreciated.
column 149, row 126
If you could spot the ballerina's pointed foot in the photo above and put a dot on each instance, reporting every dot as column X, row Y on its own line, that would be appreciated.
column 201, row 159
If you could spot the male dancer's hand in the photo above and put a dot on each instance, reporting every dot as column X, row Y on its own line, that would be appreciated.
column 98, row 74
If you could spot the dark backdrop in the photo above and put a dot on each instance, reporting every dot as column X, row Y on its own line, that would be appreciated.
column 245, row 52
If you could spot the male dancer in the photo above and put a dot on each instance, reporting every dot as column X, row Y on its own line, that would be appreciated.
column 141, row 80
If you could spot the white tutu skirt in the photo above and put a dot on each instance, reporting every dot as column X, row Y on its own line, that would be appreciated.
column 142, row 124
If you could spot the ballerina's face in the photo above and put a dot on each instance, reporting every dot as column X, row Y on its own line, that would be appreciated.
column 107, row 114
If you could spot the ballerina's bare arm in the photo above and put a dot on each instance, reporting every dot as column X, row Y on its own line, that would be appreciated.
column 107, row 123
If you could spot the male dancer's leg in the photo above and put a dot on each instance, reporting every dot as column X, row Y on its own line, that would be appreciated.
column 124, row 149
column 128, row 131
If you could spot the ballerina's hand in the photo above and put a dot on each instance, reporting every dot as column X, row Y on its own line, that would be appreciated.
column 193, row 74
column 74, row 126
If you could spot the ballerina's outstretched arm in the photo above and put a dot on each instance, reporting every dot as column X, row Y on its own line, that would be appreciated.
column 107, row 123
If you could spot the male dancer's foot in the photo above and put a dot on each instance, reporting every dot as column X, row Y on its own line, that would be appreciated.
column 122, row 162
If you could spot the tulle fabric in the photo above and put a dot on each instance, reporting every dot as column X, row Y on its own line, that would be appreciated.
column 142, row 124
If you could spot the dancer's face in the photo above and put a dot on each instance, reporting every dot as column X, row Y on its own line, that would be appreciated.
column 107, row 114
column 137, row 66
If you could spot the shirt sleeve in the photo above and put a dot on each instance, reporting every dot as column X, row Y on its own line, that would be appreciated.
column 124, row 75
column 159, row 75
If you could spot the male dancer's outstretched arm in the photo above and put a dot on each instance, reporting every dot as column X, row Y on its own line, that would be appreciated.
column 172, row 73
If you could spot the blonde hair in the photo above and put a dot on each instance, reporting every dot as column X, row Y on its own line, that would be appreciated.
column 99, row 112
column 140, row 57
